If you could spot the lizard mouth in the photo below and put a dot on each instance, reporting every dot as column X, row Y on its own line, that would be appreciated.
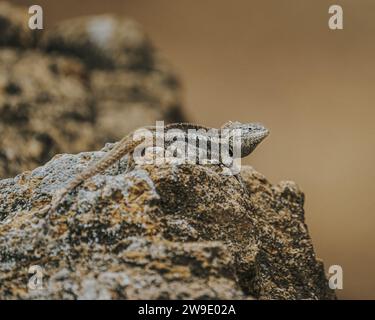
column 259, row 137
column 262, row 134
column 266, row 133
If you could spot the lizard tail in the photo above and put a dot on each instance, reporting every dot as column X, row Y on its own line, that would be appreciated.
column 62, row 193
column 56, row 202
column 103, row 164
column 57, row 199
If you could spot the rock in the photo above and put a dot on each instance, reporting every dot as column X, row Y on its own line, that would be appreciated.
column 103, row 41
column 169, row 231
column 53, row 100
column 14, row 27
column 130, row 100
column 45, row 108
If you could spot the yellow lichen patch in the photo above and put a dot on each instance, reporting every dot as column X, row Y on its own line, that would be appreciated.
column 178, row 273
column 137, row 257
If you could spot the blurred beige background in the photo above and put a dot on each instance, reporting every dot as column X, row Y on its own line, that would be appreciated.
column 278, row 63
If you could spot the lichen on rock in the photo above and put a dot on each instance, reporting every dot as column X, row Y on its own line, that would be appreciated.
column 170, row 231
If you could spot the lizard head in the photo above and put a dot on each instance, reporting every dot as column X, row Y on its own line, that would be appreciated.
column 251, row 135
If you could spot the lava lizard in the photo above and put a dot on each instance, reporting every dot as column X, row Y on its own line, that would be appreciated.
column 251, row 135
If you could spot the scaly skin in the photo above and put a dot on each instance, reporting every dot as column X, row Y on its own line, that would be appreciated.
column 251, row 135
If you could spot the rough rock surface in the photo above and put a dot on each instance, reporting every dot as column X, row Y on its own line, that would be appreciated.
column 72, row 89
column 169, row 231
column 14, row 27
column 103, row 41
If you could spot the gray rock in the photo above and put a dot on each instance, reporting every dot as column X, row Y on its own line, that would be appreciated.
column 172, row 231
column 53, row 100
